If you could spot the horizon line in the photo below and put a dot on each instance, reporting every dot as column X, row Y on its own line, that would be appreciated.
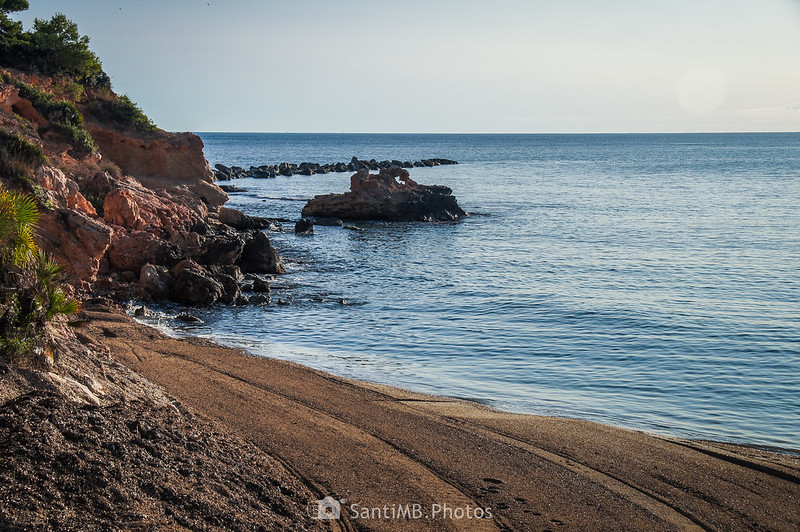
column 498, row 133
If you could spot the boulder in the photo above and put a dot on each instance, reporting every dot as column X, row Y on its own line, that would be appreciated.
column 232, row 188
column 260, row 299
column 258, row 255
column 382, row 197
column 241, row 221
column 260, row 285
column 131, row 250
column 75, row 240
column 155, row 282
column 121, row 209
column 223, row 171
column 230, row 270
column 223, row 249
column 230, row 277
column 135, row 207
column 62, row 192
column 285, row 169
column 194, row 285
column 304, row 227
column 236, row 219
column 232, row 290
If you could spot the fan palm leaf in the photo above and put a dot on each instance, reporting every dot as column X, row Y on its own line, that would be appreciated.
column 18, row 217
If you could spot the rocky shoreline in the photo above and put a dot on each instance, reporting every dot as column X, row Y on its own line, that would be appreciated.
column 225, row 173
column 88, row 441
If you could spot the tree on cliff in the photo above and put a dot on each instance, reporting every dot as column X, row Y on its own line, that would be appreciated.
column 54, row 47
column 9, row 29
column 10, row 6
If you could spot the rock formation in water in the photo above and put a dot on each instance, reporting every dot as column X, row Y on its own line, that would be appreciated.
column 224, row 173
column 382, row 197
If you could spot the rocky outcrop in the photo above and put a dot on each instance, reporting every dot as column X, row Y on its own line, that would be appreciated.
column 155, row 282
column 223, row 173
column 75, row 240
column 231, row 278
column 138, row 208
column 131, row 250
column 159, row 160
column 139, row 217
column 222, row 250
column 62, row 192
column 382, row 197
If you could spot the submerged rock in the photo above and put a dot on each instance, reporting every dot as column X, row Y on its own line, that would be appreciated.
column 382, row 197
column 188, row 318
column 260, row 299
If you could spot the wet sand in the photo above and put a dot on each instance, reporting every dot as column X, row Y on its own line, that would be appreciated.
column 381, row 449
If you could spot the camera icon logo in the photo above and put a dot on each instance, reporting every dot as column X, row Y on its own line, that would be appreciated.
column 327, row 508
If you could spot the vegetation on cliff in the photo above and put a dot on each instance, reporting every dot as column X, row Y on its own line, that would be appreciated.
column 29, row 279
column 53, row 47
column 135, row 204
column 18, row 157
column 63, row 116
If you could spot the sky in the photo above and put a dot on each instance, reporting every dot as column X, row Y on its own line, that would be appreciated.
column 446, row 66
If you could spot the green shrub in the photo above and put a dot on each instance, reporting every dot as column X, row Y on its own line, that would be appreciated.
column 121, row 111
column 18, row 157
column 18, row 217
column 80, row 139
column 53, row 109
column 29, row 292
column 64, row 117
column 97, row 202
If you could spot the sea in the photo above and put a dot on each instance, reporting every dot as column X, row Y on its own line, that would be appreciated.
column 646, row 281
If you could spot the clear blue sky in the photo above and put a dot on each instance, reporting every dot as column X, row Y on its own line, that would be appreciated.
column 450, row 66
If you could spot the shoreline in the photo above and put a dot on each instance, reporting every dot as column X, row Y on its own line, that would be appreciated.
column 375, row 445
column 178, row 334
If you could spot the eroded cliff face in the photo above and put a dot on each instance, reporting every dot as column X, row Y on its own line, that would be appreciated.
column 142, row 201
column 161, row 161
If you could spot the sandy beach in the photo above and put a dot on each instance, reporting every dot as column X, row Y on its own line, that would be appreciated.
column 406, row 461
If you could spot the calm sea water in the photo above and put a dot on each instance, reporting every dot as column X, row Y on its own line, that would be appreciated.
column 648, row 281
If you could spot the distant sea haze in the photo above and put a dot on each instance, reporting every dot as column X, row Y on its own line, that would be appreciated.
column 647, row 281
